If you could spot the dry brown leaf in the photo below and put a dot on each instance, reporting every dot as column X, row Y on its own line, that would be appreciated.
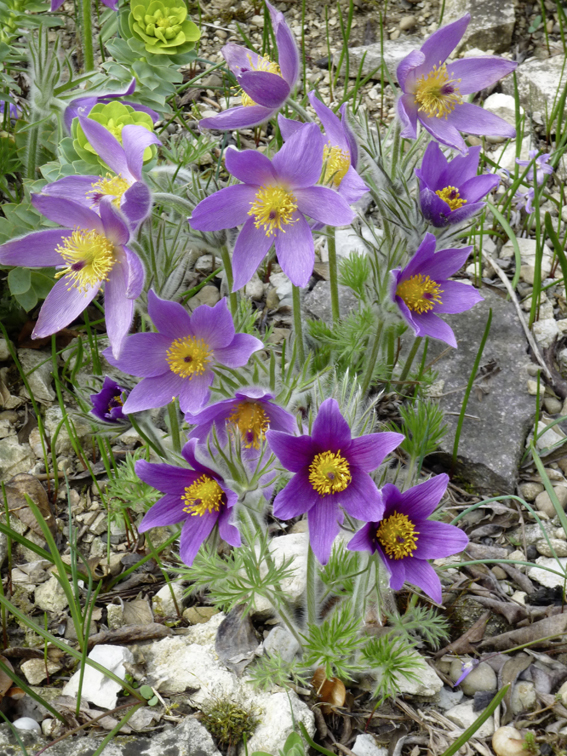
column 556, row 625
column 5, row 681
column 16, row 490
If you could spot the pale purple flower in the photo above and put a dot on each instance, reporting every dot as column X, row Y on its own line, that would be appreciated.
column 90, row 252
column 542, row 166
column 248, row 415
column 524, row 200
column 179, row 359
column 199, row 498
column 340, row 152
column 450, row 190
column 14, row 111
column 405, row 538
column 331, row 470
column 466, row 668
column 265, row 85
column 272, row 203
column 86, row 104
column 422, row 290
column 109, row 402
column 434, row 90
column 124, row 185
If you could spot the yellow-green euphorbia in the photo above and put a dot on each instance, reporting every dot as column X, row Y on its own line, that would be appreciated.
column 163, row 26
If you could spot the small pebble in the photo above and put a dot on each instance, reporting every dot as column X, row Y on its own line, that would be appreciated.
column 498, row 572
column 27, row 723
column 507, row 741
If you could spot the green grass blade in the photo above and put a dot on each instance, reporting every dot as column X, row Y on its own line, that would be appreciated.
column 469, row 732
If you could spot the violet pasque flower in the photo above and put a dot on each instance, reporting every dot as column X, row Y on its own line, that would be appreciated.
column 434, row 90
column 331, row 469
column 124, row 185
column 90, row 251
column 272, row 202
column 450, row 190
column 422, row 290
column 199, row 498
column 178, row 360
column 525, row 200
column 14, row 111
column 109, row 402
column 340, row 153
column 248, row 415
column 405, row 539
column 86, row 104
column 542, row 165
column 265, row 85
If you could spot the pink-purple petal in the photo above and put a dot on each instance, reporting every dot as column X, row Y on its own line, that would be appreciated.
column 239, row 351
column 420, row 261
column 136, row 203
column 297, row 497
column 226, row 208
column 75, row 188
column 300, row 160
column 288, row 126
column 287, row 49
column 143, row 355
column 196, row 529
column 457, row 297
column 295, row 249
column 266, row 89
column 106, row 146
column 62, row 306
column 361, row 498
column 250, row 166
column 419, row 501
column 119, row 310
column 115, row 227
column 252, row 245
column 194, row 393
column 407, row 111
column 37, row 250
column 460, row 169
column 437, row 540
column 444, row 131
column 170, row 318
column 323, row 521
column 364, row 539
column 428, row 324
column 240, row 59
column 167, row 511
column 473, row 119
column 407, row 65
column 213, row 324
column 152, row 393
column 477, row 187
column 165, row 478
column 368, row 452
column 445, row 263
column 135, row 140
column 331, row 431
column 238, row 118
column 325, row 205
column 475, row 74
column 294, row 452
column 441, row 43
column 421, row 573
column 334, row 130
column 352, row 187
column 67, row 213
column 228, row 531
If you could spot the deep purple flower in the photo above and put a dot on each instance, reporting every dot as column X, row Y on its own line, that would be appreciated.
column 86, row 104
column 422, row 292
column 405, row 539
column 272, row 202
column 90, row 252
column 179, row 359
column 265, row 85
column 340, row 153
column 249, row 415
column 434, row 90
column 109, row 402
column 199, row 498
column 331, row 469
column 541, row 163
column 450, row 190
column 124, row 185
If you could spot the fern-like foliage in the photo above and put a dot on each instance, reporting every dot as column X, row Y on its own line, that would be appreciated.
column 354, row 272
column 423, row 426
column 391, row 658
column 126, row 491
column 421, row 623
column 273, row 670
column 334, row 643
column 340, row 571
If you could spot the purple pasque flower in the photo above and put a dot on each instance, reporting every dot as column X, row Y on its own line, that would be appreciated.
column 525, row 200
column 405, row 538
column 340, row 152
column 14, row 111
column 199, row 498
column 265, row 85
column 248, row 415
column 541, row 163
column 450, row 190
column 179, row 359
column 331, row 469
column 422, row 290
column 272, row 202
column 124, row 185
column 109, row 402
column 84, row 105
column 90, row 252
column 434, row 90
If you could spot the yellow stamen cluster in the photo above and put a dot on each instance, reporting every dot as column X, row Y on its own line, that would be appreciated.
column 112, row 186
column 188, row 356
column 262, row 64
column 397, row 536
column 329, row 473
column 251, row 420
column 204, row 495
column 420, row 293
column 89, row 258
column 450, row 195
column 436, row 94
column 336, row 163
column 274, row 205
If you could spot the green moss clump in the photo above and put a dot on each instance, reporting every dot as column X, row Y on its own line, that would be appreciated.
column 228, row 722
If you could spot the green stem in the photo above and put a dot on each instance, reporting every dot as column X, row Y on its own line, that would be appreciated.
column 373, row 357
column 227, row 264
column 174, row 426
column 361, row 586
column 333, row 274
column 298, row 324
column 87, row 31
column 294, row 105
column 311, row 587
column 410, row 358
column 31, row 150
column 395, row 150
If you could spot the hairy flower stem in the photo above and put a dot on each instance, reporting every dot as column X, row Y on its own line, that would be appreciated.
column 361, row 587
column 31, row 147
column 311, row 588
column 227, row 264
column 395, row 150
column 174, row 426
column 410, row 358
column 333, row 274
column 298, row 325
column 299, row 110
column 373, row 357
column 87, row 33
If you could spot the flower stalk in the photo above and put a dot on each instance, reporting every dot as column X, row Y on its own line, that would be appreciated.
column 227, row 265
column 311, row 588
column 333, row 274
column 410, row 358
column 87, row 33
column 174, row 426
column 373, row 357
column 298, row 324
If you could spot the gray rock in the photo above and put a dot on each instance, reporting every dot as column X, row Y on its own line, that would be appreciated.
column 63, row 445
column 317, row 302
column 544, row 503
column 163, row 604
column 538, row 83
column 4, row 351
column 560, row 547
column 523, row 696
column 365, row 745
column 98, row 688
column 484, row 461
column 27, row 723
column 394, row 52
column 546, row 578
column 50, row 596
column 39, row 372
column 530, row 490
column 14, row 457
column 447, row 698
column 463, row 716
column 491, row 25
column 482, row 677
column 280, row 641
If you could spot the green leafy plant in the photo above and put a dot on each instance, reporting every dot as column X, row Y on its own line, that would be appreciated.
column 421, row 623
column 390, row 658
column 334, row 643
column 228, row 722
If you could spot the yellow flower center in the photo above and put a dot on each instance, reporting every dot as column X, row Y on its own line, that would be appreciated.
column 89, row 258
column 336, row 163
column 188, row 356
column 436, row 93
column 420, row 293
column 263, row 64
column 252, row 422
column 274, row 205
column 113, row 186
column 450, row 195
column 397, row 536
column 329, row 473
column 204, row 495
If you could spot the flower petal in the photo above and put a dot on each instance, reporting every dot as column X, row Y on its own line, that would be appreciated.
column 119, row 310
column 250, row 249
column 74, row 188
column 323, row 521
column 444, row 131
column 250, row 166
column 143, row 355
column 239, row 351
column 295, row 249
column 166, row 478
column 368, row 452
column 434, row 209
column 266, row 89
column 300, row 160
column 240, row 59
column 288, row 54
column 419, row 501
column 478, row 186
column 421, row 573
column 441, row 43
column 152, row 393
column 135, row 140
column 331, row 431
column 37, row 250
column 407, row 111
column 334, row 130
column 294, row 452
column 475, row 74
column 428, row 324
column 288, row 127
column 167, row 511
column 194, row 532
column 62, row 306
column 349, row 134
column 194, row 393
column 364, row 539
column 421, row 259
column 325, row 205
column 105, row 144
column 352, row 187
column 396, row 569
column 475, row 120
column 445, row 263
column 238, row 118
column 226, row 208
column 67, row 213
column 361, row 498
column 433, row 165
column 170, row 318
column 213, row 324
column 136, row 203
column 228, row 531
column 457, row 297
column 408, row 64
column 297, row 497
column 460, row 169
column 437, row 540
column 115, row 227
column 280, row 419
